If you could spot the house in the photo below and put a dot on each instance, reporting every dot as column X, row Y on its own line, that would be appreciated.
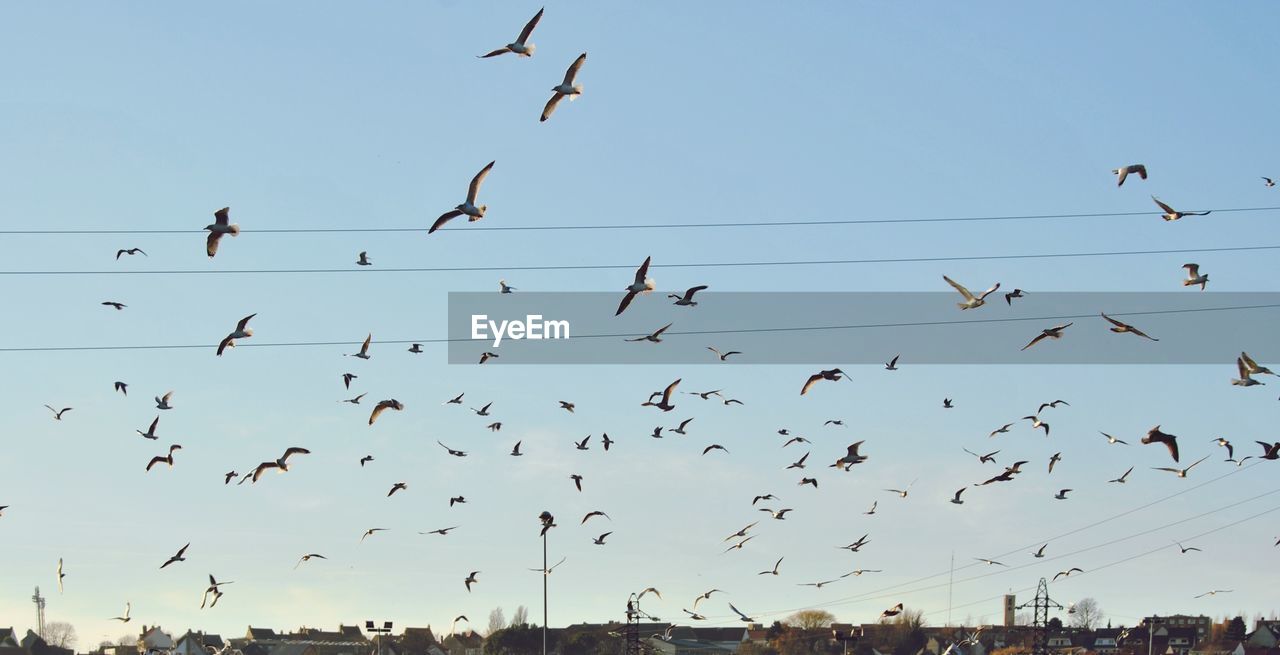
column 1266, row 634
column 154, row 640
column 197, row 643
column 9, row 643
column 463, row 643
column 33, row 644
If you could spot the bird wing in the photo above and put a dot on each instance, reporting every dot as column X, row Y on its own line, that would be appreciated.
column 1039, row 337
column 688, row 295
column 550, row 107
column 813, row 379
column 1115, row 322
column 245, row 321
column 671, row 388
column 295, row 450
column 156, row 460
column 373, row 416
column 989, row 291
column 1167, row 209
column 262, row 468
column 222, row 216
column 626, row 301
column 211, row 243
column 1193, row 270
column 570, row 74
column 494, row 53
column 661, row 330
column 474, row 190
column 528, row 28
column 958, row 287
column 1253, row 366
column 222, row 345
column 444, row 218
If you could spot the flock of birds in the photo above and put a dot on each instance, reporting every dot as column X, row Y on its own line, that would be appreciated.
column 665, row 400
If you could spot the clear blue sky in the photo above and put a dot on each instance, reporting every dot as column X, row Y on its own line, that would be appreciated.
column 326, row 115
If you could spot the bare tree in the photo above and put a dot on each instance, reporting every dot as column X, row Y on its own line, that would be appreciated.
column 127, row 640
column 520, row 616
column 1087, row 614
column 810, row 619
column 497, row 620
column 60, row 634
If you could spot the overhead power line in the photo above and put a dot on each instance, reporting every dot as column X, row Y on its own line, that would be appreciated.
column 629, row 226
column 670, row 333
column 602, row 267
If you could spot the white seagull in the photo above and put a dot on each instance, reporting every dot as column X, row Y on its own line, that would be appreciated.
column 221, row 225
column 519, row 46
column 970, row 301
column 565, row 88
column 642, row 284
column 473, row 211
column 1194, row 277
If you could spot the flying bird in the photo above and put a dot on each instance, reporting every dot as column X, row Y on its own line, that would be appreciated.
column 744, row 617
column 680, row 430
column 1214, row 592
column 242, row 331
column 798, row 464
column 567, row 88
column 947, row 404
column 1068, row 572
column 1268, row 182
column 515, row 450
column 129, row 251
column 1182, row 473
column 366, row 459
column 892, row 365
column 809, row 481
column 970, row 301
column 716, row 446
column 399, row 486
column 370, row 532
column 1112, row 440
column 162, row 402
column 356, row 400
column 1040, row 553
column 990, row 561
column 1186, row 549
column 123, row 619
column 363, row 259
column 891, row 612
column 1001, row 430
column 483, row 411
column 989, row 457
column 779, row 515
column 1054, row 332
column 1016, row 293
column 117, row 305
column 61, row 575
column 655, row 337
column 664, row 404
column 833, row 375
column 740, row 533
column 577, row 481
column 956, row 499
column 122, row 388
column 347, row 378
column 228, row 477
column 383, row 405
column 1170, row 214
column 415, row 348
column 1254, row 369
column 1122, row 478
column 213, row 589
column 774, row 571
column 166, row 459
column 519, row 46
column 1244, row 380
column 1037, row 423
column 1121, row 328
column 1062, row 494
column 642, row 284
column 177, row 557
column 725, row 355
column 582, row 445
column 473, row 211
column 599, row 541
column 1125, row 171
column 57, row 413
column 1154, row 435
column 455, row 453
column 687, row 300
column 591, row 514
column 1194, row 277
column 364, row 350
column 221, row 225
column 440, row 531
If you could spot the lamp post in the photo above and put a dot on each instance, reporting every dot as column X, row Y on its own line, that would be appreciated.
column 377, row 633
column 548, row 522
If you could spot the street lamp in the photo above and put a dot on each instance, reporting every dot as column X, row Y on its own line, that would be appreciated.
column 548, row 522
column 378, row 632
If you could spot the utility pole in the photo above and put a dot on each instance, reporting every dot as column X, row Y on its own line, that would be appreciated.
column 39, row 601
column 548, row 522
column 1040, row 624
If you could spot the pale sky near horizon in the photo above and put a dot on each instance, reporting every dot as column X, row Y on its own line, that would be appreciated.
column 325, row 115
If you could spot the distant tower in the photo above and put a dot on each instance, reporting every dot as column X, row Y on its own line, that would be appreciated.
column 39, row 601
column 1009, row 606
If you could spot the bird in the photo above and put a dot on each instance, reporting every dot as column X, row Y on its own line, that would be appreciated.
column 1182, row 473
column 1016, row 293
column 504, row 288
column 415, row 348
column 1245, row 380
column 577, row 481
column 519, row 46
column 382, row 405
column 989, row 457
column 740, row 544
column 515, row 450
column 852, row 456
column 1040, row 553
column 440, row 531
column 221, row 225
column 1062, row 494
column 399, row 486
column 1154, row 435
column 796, row 439
column 1054, row 332
column 567, row 406
column 1123, row 172
column 281, row 464
column 1125, row 327
column 457, row 500
column 162, row 402
column 547, row 571
column 891, row 612
column 347, row 378
column 1068, row 572
column 123, row 619
column 592, row 514
column 486, row 356
column 1239, row 462
column 948, row 404
column 121, row 387
column 1112, row 440
column 648, row 590
column 242, row 331
column 366, row 459
column 370, row 532
column 655, row 337
column 779, row 515
column 892, row 365
column 455, row 453
column 1037, row 423
column 956, row 500
column 816, row 585
column 809, row 481
column 364, row 351
column 57, row 413
column 363, row 259
column 1001, row 430
column 456, row 400
column 582, row 445
column 1121, row 479
column 970, row 301
column 716, row 446
column 1170, row 214
column 857, row 545
column 177, row 557
column 990, row 561
column 599, row 541
column 798, row 464
column 1269, row 451
column 1268, row 182
column 473, row 211
column 61, row 575
column 1214, row 592
column 642, row 284
column 228, row 476
column 1186, row 549
column 130, row 251
column 687, row 299
column 732, row 401
column 1253, row 367
column 483, row 411
column 833, row 375
column 902, row 493
column 213, row 589
column 694, row 616
column 1194, row 277
column 871, row 511
column 680, row 430
column 117, row 305
column 764, row 497
column 606, row 441
column 166, row 459
column 744, row 617
column 356, row 400
column 774, row 570
column 664, row 404
column 567, row 88
column 724, row 355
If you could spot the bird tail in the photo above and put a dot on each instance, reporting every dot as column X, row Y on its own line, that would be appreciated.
column 578, row 89
column 235, row 229
column 483, row 209
column 529, row 49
